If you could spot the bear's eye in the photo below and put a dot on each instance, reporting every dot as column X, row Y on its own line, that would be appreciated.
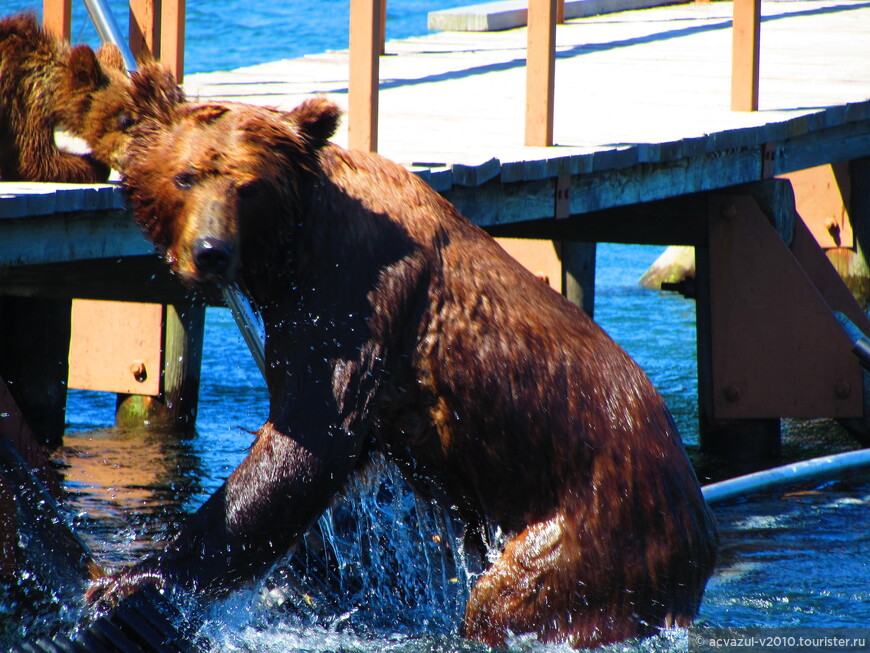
column 184, row 180
column 125, row 121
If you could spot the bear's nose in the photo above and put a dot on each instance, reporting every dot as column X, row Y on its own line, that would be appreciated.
column 212, row 255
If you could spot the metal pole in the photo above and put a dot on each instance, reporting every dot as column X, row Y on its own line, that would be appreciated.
column 248, row 323
column 103, row 19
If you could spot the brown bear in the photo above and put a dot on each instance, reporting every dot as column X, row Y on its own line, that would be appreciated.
column 45, row 84
column 395, row 324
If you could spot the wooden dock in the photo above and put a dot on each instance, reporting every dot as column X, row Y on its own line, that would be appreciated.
column 640, row 87
column 646, row 150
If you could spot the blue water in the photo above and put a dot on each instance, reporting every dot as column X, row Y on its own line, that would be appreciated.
column 128, row 491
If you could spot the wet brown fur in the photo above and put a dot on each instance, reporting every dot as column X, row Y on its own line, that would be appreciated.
column 46, row 84
column 394, row 323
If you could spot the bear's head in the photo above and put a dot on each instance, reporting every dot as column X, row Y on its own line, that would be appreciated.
column 101, row 103
column 219, row 186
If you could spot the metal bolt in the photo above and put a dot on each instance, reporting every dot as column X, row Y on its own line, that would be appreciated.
column 733, row 393
column 137, row 369
column 729, row 211
column 842, row 389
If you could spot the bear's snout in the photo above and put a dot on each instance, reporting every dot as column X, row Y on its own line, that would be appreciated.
column 213, row 257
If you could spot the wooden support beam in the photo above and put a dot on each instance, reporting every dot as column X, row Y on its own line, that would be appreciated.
column 57, row 17
column 116, row 347
column 746, row 29
column 145, row 29
column 383, row 26
column 365, row 36
column 176, row 406
column 540, row 72
column 172, row 17
column 769, row 345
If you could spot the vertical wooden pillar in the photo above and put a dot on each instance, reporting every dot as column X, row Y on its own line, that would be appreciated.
column 172, row 18
column 365, row 36
column 145, row 29
column 746, row 28
column 34, row 345
column 383, row 27
column 540, row 72
column 176, row 406
column 57, row 17
column 578, row 274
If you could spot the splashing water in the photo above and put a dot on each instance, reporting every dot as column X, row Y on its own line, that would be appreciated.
column 381, row 560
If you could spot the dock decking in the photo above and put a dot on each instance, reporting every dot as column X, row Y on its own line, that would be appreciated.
column 640, row 87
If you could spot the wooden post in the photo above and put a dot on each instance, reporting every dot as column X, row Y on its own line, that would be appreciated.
column 172, row 18
column 540, row 72
column 57, row 17
column 560, row 12
column 145, row 29
column 746, row 28
column 578, row 273
column 383, row 26
column 176, row 406
column 34, row 345
column 365, row 34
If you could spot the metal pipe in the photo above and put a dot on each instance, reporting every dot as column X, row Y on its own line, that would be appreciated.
column 103, row 19
column 823, row 466
column 249, row 324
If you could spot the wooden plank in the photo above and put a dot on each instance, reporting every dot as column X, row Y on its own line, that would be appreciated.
column 745, row 57
column 116, row 347
column 20, row 199
column 511, row 14
column 145, row 29
column 774, row 354
column 365, row 16
column 128, row 278
column 70, row 237
column 540, row 72
column 172, row 20
column 57, row 17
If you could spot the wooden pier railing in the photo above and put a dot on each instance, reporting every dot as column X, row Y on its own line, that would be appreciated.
column 157, row 29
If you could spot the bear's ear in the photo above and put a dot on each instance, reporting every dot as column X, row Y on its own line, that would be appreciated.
column 109, row 57
column 83, row 70
column 155, row 93
column 317, row 119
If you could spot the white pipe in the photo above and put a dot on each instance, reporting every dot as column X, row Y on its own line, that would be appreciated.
column 823, row 466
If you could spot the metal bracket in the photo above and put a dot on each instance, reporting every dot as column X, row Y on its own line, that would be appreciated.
column 562, row 208
column 768, row 160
